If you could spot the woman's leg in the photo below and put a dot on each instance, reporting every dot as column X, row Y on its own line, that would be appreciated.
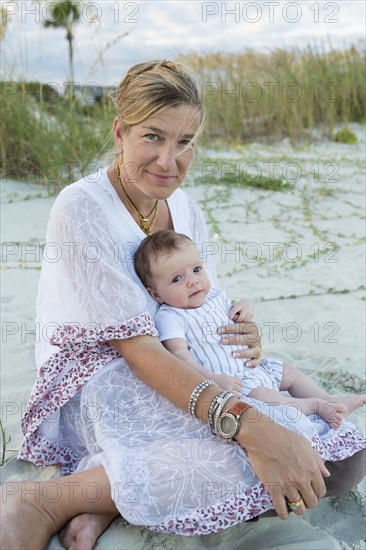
column 345, row 474
column 31, row 512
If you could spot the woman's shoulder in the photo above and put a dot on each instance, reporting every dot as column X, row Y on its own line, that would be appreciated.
column 88, row 191
column 86, row 185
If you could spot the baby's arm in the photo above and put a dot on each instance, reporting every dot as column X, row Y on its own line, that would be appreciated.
column 242, row 311
column 178, row 346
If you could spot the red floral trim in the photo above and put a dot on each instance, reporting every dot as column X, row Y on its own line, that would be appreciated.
column 236, row 509
column 87, row 347
column 340, row 446
column 38, row 450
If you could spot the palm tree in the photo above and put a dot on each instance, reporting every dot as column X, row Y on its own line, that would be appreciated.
column 65, row 13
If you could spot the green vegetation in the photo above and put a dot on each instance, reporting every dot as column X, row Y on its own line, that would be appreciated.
column 345, row 136
column 253, row 95
column 4, row 442
column 54, row 138
column 49, row 138
column 236, row 174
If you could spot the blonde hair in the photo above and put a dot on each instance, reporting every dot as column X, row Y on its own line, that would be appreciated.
column 150, row 87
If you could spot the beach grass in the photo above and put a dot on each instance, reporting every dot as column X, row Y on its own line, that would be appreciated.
column 282, row 93
column 53, row 139
column 47, row 138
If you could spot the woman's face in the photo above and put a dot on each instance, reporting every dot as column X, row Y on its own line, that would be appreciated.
column 157, row 152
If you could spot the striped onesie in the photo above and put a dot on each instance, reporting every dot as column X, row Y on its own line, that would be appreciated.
column 199, row 328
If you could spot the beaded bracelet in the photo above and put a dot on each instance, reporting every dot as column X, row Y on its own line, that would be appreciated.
column 215, row 408
column 211, row 408
column 218, row 411
column 195, row 395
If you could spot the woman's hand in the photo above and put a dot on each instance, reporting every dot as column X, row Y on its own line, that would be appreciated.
column 244, row 334
column 284, row 461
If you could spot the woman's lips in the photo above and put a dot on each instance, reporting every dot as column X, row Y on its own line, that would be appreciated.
column 162, row 178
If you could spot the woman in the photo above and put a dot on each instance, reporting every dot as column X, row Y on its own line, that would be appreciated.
column 110, row 400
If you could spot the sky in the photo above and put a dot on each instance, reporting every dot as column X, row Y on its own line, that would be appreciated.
column 166, row 29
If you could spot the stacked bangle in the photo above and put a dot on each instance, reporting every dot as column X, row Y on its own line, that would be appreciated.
column 195, row 395
column 216, row 407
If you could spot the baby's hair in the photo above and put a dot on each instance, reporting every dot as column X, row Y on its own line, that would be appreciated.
column 161, row 243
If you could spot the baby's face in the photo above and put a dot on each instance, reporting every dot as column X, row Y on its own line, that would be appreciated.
column 180, row 279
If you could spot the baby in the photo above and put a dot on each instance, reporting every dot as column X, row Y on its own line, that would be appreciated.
column 170, row 267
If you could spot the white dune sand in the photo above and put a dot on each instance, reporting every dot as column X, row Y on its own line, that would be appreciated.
column 309, row 296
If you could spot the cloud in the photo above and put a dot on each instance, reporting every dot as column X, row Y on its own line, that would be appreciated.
column 161, row 29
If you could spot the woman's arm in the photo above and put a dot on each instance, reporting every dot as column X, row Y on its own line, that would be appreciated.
column 178, row 347
column 284, row 461
column 166, row 374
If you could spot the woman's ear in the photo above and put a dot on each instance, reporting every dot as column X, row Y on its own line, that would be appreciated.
column 154, row 295
column 117, row 133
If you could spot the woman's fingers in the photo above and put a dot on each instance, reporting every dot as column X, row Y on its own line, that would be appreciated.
column 245, row 334
column 296, row 500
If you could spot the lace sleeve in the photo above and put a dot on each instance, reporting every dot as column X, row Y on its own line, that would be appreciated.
column 83, row 281
column 94, row 282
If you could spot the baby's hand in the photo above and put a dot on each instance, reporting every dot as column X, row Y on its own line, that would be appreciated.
column 242, row 311
column 228, row 382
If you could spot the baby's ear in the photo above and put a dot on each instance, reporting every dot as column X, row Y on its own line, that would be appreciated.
column 154, row 295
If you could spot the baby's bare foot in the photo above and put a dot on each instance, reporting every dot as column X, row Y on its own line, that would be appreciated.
column 333, row 413
column 338, row 408
column 82, row 532
column 351, row 401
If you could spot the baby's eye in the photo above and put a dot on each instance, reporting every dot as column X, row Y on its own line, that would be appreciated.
column 177, row 278
column 197, row 269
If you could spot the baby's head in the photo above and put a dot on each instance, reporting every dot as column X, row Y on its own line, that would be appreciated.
column 170, row 267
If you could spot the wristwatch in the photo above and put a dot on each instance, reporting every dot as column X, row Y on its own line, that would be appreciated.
column 228, row 424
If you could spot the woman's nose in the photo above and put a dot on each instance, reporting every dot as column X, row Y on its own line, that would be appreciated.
column 167, row 157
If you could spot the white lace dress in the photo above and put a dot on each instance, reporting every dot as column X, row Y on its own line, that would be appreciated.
column 87, row 408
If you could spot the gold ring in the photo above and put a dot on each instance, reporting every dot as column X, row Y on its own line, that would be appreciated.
column 259, row 351
column 295, row 504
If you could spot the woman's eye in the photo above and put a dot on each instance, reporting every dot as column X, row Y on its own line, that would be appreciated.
column 176, row 279
column 152, row 137
column 185, row 143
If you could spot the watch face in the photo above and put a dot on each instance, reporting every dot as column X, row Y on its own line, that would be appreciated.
column 228, row 426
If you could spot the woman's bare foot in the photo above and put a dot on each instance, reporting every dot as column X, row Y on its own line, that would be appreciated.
column 25, row 522
column 337, row 408
column 82, row 532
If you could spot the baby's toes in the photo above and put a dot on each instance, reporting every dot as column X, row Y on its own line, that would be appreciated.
column 336, row 421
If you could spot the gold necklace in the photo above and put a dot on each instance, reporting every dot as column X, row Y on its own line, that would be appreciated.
column 144, row 221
